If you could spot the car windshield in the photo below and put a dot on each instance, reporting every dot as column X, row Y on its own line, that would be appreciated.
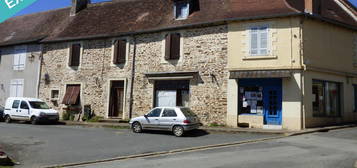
column 39, row 105
column 187, row 112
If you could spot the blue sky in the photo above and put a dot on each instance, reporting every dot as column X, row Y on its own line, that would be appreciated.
column 44, row 5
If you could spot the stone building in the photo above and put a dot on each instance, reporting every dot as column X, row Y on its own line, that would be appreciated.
column 122, row 58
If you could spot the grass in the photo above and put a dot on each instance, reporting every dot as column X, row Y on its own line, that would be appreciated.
column 95, row 119
column 216, row 125
column 6, row 166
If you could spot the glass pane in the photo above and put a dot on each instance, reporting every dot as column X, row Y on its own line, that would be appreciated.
column 332, row 98
column 318, row 98
column 16, row 104
column 38, row 105
column 155, row 113
column 169, row 113
column 24, row 105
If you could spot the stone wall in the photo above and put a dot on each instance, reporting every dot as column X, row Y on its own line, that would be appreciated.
column 203, row 50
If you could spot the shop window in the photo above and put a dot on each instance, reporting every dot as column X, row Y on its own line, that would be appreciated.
column 172, row 93
column 251, row 100
column 326, row 99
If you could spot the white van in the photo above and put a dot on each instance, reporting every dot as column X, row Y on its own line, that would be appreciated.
column 28, row 109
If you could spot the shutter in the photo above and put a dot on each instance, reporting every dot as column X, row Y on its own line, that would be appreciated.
column 68, row 94
column 253, row 42
column 20, row 88
column 263, row 41
column 75, row 95
column 13, row 88
column 16, row 61
column 75, row 54
column 122, row 51
column 175, row 46
column 22, row 60
column 168, row 47
column 115, row 54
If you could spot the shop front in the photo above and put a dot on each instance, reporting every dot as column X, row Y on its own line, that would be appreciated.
column 261, row 98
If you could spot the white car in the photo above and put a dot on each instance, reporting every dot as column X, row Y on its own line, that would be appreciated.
column 175, row 119
column 28, row 109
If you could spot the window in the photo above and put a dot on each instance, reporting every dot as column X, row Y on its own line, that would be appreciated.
column 39, row 105
column 169, row 113
column 355, row 98
column 172, row 93
column 16, row 88
column 182, row 9
column 72, row 95
column 119, row 52
column 155, row 113
column 0, row 56
column 16, row 104
column 75, row 53
column 172, row 46
column 326, row 99
column 19, row 58
column 24, row 105
column 54, row 94
column 259, row 41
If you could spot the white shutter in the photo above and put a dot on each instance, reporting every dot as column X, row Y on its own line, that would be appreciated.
column 253, row 42
column 22, row 61
column 17, row 88
column 263, row 41
column 20, row 88
column 16, row 61
column 166, row 98
column 13, row 88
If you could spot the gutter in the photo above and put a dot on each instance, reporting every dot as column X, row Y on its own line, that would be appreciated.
column 132, row 80
column 36, row 40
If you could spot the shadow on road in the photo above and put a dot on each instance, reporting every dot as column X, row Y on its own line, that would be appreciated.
column 193, row 133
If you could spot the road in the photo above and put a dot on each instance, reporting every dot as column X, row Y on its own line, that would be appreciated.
column 334, row 149
column 42, row 145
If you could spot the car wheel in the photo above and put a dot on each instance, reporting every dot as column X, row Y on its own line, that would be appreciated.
column 137, row 127
column 178, row 131
column 34, row 120
column 7, row 119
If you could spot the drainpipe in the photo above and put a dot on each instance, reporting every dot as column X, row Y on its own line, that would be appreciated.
column 302, row 78
column 39, row 71
column 132, row 80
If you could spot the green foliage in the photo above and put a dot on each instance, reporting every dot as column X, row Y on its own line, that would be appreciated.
column 214, row 124
column 95, row 119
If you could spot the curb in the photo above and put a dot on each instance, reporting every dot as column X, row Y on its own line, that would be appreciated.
column 325, row 129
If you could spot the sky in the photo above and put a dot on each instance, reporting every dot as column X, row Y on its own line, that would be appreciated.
column 44, row 5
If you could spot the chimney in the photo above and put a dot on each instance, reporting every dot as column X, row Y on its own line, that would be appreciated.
column 313, row 6
column 78, row 5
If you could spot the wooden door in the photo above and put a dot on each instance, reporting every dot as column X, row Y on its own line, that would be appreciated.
column 116, row 100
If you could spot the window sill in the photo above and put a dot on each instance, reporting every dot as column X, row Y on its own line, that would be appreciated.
column 259, row 57
column 251, row 114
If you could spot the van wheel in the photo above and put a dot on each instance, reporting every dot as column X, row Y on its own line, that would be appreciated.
column 178, row 131
column 34, row 120
column 137, row 127
column 7, row 119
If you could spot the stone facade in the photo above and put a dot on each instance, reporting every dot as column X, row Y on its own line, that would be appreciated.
column 202, row 49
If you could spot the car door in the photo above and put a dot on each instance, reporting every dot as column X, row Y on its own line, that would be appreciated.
column 168, row 118
column 15, row 110
column 24, row 110
column 152, row 119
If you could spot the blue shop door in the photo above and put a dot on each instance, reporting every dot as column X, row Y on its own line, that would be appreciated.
column 272, row 105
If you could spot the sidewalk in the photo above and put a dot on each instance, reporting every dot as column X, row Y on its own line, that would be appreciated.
column 222, row 129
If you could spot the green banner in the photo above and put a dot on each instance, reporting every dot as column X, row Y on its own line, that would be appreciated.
column 9, row 8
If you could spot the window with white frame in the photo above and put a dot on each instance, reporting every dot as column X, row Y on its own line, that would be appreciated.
column 17, row 88
column 19, row 58
column 182, row 9
column 258, row 37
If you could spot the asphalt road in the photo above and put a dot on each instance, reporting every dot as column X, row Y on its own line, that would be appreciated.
column 42, row 145
column 334, row 149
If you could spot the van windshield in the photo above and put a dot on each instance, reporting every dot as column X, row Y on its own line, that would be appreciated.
column 38, row 105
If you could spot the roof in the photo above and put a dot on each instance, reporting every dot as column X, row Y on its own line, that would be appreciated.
column 122, row 17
